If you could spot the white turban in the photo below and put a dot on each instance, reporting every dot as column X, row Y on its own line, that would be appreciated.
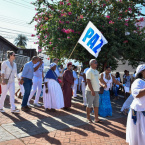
column 52, row 65
column 139, row 69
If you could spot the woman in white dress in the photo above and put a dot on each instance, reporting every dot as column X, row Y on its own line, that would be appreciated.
column 135, row 131
column 52, row 93
column 126, row 105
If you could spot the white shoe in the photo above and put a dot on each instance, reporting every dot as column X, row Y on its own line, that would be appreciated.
column 1, row 110
column 15, row 111
column 28, row 104
column 36, row 104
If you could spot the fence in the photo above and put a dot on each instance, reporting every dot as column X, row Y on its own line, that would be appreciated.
column 20, row 60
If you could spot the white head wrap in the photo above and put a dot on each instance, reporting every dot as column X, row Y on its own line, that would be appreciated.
column 139, row 69
column 52, row 64
column 41, row 56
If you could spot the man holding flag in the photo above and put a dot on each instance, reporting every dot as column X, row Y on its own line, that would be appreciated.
column 93, row 40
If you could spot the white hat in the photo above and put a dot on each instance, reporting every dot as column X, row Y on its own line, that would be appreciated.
column 41, row 56
column 139, row 69
column 52, row 65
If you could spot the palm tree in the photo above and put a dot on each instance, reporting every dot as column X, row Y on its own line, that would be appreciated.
column 21, row 41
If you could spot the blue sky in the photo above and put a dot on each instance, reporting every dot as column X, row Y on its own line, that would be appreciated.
column 15, row 15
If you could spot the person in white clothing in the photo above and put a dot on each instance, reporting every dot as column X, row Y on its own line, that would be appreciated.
column 9, row 72
column 135, row 131
column 86, row 70
column 55, row 60
column 126, row 105
column 21, row 94
column 37, row 81
column 80, row 79
column 75, row 81
column 83, row 87
column 52, row 92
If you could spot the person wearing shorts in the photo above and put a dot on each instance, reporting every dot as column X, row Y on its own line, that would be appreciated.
column 92, row 89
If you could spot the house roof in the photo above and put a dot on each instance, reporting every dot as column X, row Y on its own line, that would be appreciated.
column 8, row 42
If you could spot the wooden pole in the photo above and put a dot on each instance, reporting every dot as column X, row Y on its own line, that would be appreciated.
column 73, row 50
column 71, row 53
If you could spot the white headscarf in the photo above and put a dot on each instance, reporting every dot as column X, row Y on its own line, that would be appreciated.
column 139, row 69
column 52, row 64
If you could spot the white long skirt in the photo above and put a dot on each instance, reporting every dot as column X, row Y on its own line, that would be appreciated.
column 127, row 103
column 135, row 134
column 54, row 98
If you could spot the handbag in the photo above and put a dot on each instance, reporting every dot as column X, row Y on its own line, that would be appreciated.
column 101, row 90
column 7, row 80
column 0, row 80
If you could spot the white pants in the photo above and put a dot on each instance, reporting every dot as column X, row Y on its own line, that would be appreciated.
column 22, row 90
column 75, row 90
column 83, row 93
column 37, row 86
column 5, row 88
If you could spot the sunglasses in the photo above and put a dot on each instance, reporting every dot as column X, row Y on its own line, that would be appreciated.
column 14, row 55
column 109, row 69
column 95, row 63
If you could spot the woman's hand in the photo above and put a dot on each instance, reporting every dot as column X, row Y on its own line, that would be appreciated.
column 3, row 82
column 46, row 90
column 21, row 82
column 105, row 86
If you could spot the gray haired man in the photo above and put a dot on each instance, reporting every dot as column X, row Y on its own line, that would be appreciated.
column 92, row 89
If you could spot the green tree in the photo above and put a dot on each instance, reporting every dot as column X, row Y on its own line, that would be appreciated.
column 60, row 25
column 21, row 41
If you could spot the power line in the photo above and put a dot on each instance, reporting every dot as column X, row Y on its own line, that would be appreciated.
column 16, row 23
column 6, row 32
column 25, row 1
column 15, row 30
column 18, row 4
column 4, row 16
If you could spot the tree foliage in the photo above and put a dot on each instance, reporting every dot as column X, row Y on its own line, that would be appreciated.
column 60, row 25
column 21, row 41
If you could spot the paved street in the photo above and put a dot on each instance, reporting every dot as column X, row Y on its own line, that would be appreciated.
column 61, row 127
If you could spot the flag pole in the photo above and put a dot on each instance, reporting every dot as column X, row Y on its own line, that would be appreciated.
column 72, row 52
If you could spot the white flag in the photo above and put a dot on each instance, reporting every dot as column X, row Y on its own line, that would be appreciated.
column 92, row 39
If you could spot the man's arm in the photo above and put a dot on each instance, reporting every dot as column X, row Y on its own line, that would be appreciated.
column 90, row 87
column 102, row 80
column 36, row 68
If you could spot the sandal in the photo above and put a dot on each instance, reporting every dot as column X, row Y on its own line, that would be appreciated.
column 99, row 121
column 89, row 121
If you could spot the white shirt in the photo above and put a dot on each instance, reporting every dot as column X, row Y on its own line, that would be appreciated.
column 86, row 70
column 57, row 71
column 93, row 76
column 20, row 75
column 39, row 71
column 138, row 104
column 75, row 77
column 108, row 82
column 118, row 79
column 60, row 70
column 9, row 71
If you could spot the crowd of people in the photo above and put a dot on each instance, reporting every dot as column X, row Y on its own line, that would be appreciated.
column 59, row 85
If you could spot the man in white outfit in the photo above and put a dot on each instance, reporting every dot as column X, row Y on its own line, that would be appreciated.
column 75, row 81
column 37, row 81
